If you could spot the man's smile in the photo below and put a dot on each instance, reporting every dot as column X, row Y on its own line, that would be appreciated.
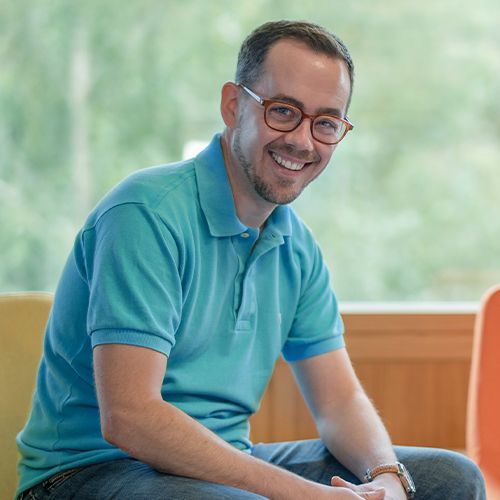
column 288, row 164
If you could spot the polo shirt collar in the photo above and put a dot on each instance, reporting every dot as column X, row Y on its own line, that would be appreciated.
column 216, row 197
column 280, row 222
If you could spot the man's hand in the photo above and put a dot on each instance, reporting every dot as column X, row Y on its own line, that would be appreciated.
column 388, row 484
column 347, row 491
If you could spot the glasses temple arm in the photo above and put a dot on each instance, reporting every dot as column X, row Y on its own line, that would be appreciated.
column 253, row 94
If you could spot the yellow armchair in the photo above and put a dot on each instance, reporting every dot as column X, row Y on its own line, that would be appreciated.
column 22, row 323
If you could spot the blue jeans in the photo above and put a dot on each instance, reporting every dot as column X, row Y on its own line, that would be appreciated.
column 438, row 475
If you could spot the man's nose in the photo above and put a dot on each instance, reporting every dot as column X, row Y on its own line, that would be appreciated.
column 301, row 137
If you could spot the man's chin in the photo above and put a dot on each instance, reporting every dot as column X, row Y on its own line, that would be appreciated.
column 278, row 198
column 281, row 193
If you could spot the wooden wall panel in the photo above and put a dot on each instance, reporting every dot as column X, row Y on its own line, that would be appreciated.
column 414, row 366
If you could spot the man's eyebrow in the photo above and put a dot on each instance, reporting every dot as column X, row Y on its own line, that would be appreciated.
column 299, row 104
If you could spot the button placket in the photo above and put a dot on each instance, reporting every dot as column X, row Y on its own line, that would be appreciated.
column 242, row 244
column 247, row 308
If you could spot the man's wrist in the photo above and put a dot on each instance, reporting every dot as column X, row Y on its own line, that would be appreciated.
column 390, row 481
column 395, row 470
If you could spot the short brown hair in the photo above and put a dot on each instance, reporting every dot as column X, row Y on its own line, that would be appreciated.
column 255, row 47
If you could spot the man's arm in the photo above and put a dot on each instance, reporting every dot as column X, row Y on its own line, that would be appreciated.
column 346, row 419
column 135, row 418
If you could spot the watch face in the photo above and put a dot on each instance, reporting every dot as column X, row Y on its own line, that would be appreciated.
column 406, row 480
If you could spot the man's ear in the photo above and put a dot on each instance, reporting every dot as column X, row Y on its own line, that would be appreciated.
column 229, row 104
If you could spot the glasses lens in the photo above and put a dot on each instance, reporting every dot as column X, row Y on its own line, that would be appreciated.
column 281, row 116
column 328, row 129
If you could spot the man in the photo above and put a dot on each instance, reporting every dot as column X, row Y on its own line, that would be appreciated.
column 183, row 288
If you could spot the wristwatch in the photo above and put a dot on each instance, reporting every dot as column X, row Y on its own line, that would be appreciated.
column 396, row 468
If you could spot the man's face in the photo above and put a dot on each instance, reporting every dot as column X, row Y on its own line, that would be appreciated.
column 272, row 166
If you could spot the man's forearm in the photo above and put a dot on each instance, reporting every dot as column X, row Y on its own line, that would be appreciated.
column 356, row 435
column 172, row 442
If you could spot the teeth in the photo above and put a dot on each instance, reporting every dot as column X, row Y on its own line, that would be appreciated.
column 287, row 163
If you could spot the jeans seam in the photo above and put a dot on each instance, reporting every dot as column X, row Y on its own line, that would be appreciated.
column 57, row 480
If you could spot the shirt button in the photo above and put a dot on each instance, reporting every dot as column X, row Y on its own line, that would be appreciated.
column 244, row 235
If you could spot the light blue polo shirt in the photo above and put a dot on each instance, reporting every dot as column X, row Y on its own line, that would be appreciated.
column 164, row 262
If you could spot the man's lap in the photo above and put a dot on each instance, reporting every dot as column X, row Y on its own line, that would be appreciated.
column 131, row 479
column 438, row 474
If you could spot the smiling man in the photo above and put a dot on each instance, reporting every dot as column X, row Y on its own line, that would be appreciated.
column 185, row 285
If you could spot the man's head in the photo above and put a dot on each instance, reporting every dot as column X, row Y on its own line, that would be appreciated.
column 297, row 64
column 255, row 47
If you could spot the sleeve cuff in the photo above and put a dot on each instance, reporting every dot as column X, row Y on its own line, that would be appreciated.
column 131, row 337
column 296, row 352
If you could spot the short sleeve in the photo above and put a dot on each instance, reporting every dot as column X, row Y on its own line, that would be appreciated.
column 135, row 294
column 317, row 327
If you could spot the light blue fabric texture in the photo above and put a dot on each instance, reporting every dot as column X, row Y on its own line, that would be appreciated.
column 164, row 262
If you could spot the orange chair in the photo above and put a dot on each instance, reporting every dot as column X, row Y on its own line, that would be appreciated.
column 483, row 410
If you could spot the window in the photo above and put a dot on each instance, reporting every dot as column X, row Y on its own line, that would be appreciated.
column 408, row 208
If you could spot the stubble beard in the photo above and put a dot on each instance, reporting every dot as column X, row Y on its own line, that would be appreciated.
column 264, row 189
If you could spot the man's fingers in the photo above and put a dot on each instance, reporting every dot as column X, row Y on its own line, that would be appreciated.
column 368, row 491
column 378, row 494
column 338, row 481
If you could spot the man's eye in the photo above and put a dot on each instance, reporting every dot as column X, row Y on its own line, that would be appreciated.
column 283, row 112
column 327, row 124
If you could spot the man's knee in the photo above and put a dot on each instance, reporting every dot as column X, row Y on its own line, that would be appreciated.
column 443, row 474
column 462, row 472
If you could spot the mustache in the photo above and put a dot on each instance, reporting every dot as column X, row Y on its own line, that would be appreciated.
column 302, row 155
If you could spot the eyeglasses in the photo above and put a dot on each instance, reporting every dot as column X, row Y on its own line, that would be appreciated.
column 286, row 117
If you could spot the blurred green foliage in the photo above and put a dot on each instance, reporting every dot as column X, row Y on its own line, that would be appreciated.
column 408, row 209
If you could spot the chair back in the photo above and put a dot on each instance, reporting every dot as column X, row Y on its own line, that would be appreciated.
column 22, row 323
column 483, row 408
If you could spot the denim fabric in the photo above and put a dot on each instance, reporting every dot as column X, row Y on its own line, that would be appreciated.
column 130, row 479
column 438, row 475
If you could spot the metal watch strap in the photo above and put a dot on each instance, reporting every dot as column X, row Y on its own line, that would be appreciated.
column 395, row 468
